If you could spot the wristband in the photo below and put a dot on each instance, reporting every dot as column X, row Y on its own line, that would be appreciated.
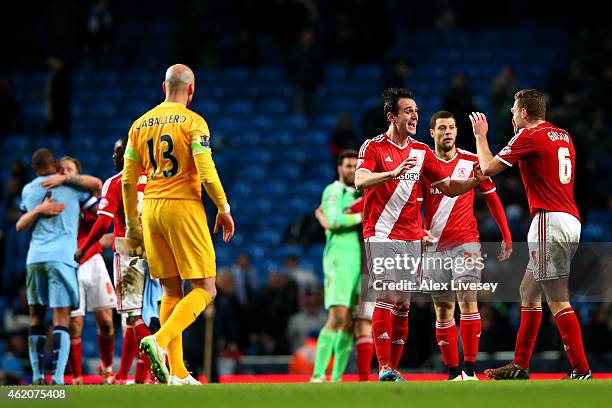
column 226, row 209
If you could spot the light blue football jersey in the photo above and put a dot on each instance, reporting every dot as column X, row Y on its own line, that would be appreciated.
column 54, row 239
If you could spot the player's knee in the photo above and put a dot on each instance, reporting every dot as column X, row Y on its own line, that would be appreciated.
column 337, row 322
column 402, row 304
column 76, row 328
column 106, row 328
column 529, row 293
column 444, row 311
column 212, row 293
column 468, row 307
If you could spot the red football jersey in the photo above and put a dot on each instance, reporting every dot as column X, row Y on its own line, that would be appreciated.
column 451, row 219
column 390, row 209
column 87, row 221
column 111, row 203
column 547, row 160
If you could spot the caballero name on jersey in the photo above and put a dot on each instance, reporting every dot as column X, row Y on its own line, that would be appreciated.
column 408, row 176
column 164, row 120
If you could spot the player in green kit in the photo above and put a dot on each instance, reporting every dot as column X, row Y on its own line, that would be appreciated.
column 341, row 267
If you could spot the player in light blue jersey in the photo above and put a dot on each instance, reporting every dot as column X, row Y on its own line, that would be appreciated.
column 53, row 215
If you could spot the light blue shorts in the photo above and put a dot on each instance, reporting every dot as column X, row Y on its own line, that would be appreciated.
column 52, row 284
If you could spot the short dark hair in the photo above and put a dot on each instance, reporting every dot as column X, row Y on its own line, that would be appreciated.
column 439, row 115
column 533, row 101
column 42, row 159
column 391, row 96
column 76, row 162
column 346, row 154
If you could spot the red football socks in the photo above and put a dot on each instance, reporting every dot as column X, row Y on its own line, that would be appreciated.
column 382, row 331
column 446, row 336
column 107, row 350
column 399, row 323
column 470, row 328
column 531, row 317
column 76, row 356
column 364, row 347
column 128, row 352
column 571, row 335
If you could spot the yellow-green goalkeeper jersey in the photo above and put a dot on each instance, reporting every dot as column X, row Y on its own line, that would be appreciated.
column 343, row 232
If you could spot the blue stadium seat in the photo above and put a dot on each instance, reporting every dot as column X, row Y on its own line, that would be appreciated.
column 241, row 189
column 262, row 156
column 279, row 90
column 15, row 143
column 275, row 187
column 340, row 105
column 300, row 205
column 254, row 171
column 327, row 121
column 294, row 122
column 268, row 74
column 234, row 74
column 274, row 107
column 371, row 73
column 335, row 72
column 271, row 236
column 287, row 171
column 241, row 107
column 260, row 123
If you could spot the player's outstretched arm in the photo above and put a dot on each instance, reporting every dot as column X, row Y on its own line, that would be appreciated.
column 47, row 208
column 366, row 179
column 453, row 188
column 96, row 233
column 480, row 126
column 82, row 181
column 499, row 215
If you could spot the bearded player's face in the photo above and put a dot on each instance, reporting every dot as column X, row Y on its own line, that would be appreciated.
column 347, row 171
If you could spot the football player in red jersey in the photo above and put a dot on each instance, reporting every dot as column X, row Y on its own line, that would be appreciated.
column 388, row 168
column 546, row 158
column 96, row 295
column 453, row 228
column 129, row 302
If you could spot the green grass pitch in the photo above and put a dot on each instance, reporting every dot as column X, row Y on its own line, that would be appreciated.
column 521, row 394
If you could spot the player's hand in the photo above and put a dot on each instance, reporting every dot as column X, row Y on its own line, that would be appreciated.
column 480, row 126
column 478, row 174
column 427, row 239
column 49, row 208
column 134, row 233
column 225, row 221
column 404, row 166
column 55, row 180
column 505, row 252
column 78, row 255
